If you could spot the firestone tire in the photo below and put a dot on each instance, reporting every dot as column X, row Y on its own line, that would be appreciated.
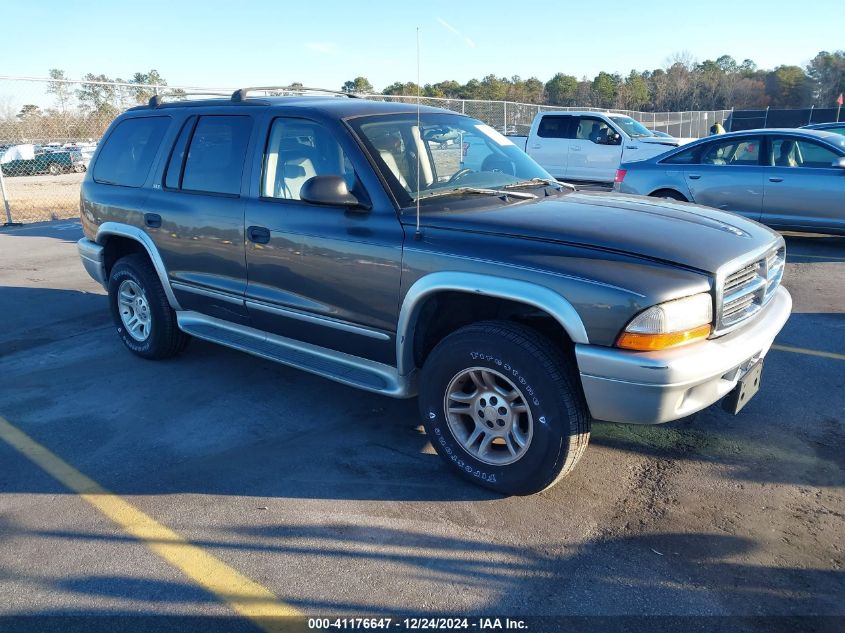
column 548, row 413
column 135, row 276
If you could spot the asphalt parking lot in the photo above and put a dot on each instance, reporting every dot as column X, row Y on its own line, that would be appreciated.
column 332, row 502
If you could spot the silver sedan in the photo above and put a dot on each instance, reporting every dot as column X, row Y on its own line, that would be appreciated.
column 786, row 178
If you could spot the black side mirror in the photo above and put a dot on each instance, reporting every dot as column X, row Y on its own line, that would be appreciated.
column 329, row 191
column 839, row 163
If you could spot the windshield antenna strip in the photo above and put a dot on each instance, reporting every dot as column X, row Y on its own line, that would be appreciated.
column 417, row 235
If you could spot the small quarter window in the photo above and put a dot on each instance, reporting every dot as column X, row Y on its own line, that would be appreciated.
column 685, row 157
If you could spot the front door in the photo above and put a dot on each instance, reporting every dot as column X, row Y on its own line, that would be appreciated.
column 320, row 274
column 595, row 150
column 802, row 188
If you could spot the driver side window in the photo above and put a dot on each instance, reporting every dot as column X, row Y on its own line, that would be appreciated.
column 594, row 130
column 794, row 152
column 297, row 150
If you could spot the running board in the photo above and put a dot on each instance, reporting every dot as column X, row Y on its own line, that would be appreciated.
column 343, row 368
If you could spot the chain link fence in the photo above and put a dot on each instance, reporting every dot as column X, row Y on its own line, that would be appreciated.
column 515, row 118
column 49, row 130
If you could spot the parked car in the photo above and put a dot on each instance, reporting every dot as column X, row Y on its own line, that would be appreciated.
column 328, row 234
column 589, row 146
column 837, row 128
column 27, row 160
column 86, row 152
column 786, row 178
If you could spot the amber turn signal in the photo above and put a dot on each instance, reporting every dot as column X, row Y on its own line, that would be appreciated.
column 653, row 342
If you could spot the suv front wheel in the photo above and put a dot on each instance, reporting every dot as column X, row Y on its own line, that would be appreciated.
column 502, row 406
column 144, row 319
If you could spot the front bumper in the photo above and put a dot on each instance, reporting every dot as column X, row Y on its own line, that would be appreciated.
column 655, row 387
column 91, row 255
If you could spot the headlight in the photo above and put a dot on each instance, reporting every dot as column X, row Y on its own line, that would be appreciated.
column 669, row 324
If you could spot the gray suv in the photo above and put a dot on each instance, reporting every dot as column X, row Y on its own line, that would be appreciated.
column 350, row 239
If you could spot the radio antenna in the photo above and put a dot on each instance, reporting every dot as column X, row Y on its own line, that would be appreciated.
column 418, row 234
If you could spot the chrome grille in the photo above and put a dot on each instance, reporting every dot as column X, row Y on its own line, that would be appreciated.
column 748, row 289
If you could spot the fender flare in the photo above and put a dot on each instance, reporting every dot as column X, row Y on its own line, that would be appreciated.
column 107, row 229
column 472, row 283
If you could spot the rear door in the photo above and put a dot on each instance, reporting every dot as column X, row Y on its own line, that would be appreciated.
column 549, row 145
column 802, row 189
column 196, row 214
column 729, row 175
column 595, row 151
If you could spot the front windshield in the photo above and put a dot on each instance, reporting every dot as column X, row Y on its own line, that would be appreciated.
column 454, row 152
column 634, row 129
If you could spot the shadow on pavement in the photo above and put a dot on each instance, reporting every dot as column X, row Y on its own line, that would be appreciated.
column 669, row 574
column 64, row 230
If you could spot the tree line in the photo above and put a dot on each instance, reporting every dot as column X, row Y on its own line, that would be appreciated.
column 82, row 109
column 683, row 84
column 86, row 108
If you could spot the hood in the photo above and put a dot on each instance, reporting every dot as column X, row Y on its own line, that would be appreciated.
column 685, row 234
column 658, row 140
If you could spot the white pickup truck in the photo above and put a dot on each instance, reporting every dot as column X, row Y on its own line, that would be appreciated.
column 589, row 146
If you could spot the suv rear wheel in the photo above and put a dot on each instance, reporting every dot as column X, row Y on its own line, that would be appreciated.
column 144, row 319
column 502, row 406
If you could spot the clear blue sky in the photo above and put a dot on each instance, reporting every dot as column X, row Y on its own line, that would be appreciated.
column 227, row 43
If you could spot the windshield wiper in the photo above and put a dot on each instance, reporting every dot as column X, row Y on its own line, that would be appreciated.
column 533, row 181
column 539, row 181
column 489, row 192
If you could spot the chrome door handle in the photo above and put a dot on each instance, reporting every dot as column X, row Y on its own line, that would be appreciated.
column 536, row 146
column 775, row 179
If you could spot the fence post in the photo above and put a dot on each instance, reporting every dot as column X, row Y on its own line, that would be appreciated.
column 6, row 202
column 766, row 118
column 505, row 117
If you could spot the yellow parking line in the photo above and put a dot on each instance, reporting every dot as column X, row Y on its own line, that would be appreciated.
column 243, row 595
column 809, row 352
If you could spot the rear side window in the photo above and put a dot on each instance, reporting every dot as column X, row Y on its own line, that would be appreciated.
column 745, row 152
column 215, row 160
column 127, row 155
column 554, row 127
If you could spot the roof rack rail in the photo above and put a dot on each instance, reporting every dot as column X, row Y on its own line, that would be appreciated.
column 156, row 100
column 241, row 93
